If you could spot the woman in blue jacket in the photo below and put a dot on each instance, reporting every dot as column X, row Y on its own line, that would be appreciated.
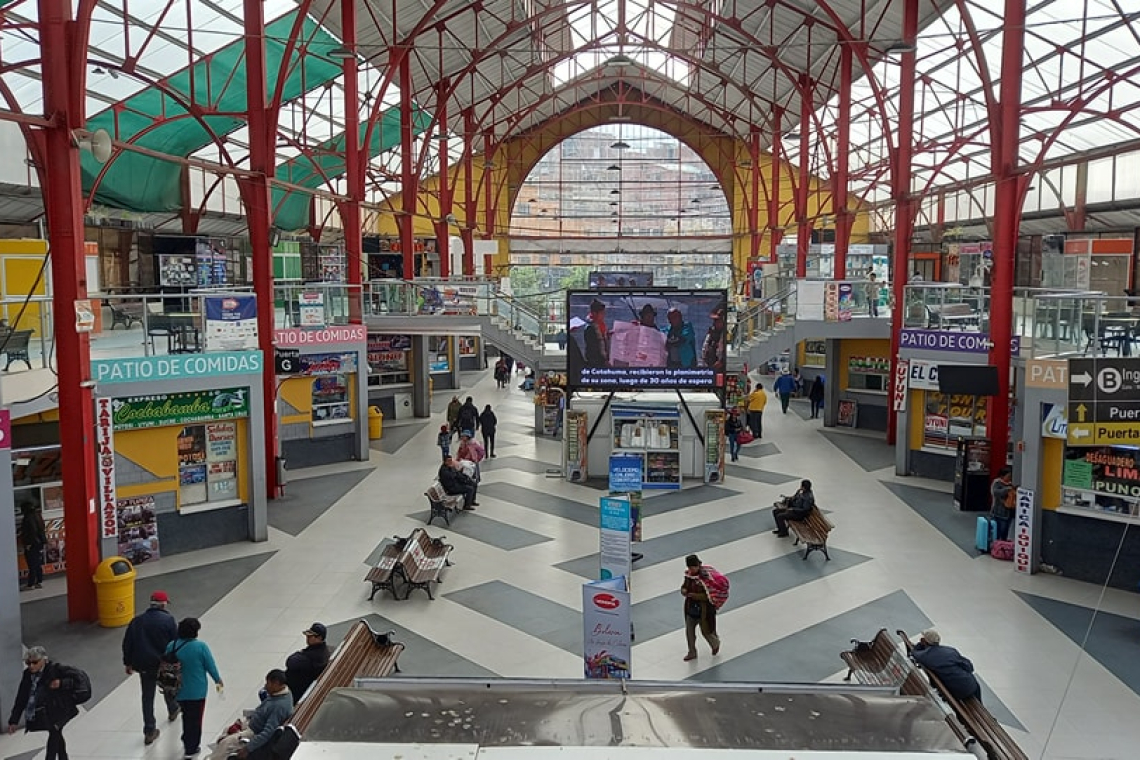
column 197, row 662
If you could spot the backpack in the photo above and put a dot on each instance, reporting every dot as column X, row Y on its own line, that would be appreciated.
column 80, row 684
column 716, row 586
column 1002, row 550
column 169, row 677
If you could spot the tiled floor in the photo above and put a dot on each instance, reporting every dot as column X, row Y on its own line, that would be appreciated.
column 510, row 604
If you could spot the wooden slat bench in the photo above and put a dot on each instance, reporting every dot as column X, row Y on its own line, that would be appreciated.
column 977, row 720
column 14, row 343
column 812, row 532
column 363, row 654
column 443, row 504
column 387, row 569
column 880, row 662
column 423, row 562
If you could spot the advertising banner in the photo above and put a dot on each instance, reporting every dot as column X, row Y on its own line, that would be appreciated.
column 1023, row 532
column 898, row 394
column 105, row 472
column 715, row 445
column 626, row 471
column 158, row 410
column 138, row 529
column 576, row 449
column 1110, row 471
column 231, row 323
column 311, row 309
column 388, row 353
column 606, row 629
column 615, row 537
column 622, row 340
column 326, row 364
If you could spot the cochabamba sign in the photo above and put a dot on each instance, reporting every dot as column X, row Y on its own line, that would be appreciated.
column 159, row 410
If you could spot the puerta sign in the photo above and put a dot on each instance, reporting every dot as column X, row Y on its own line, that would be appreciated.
column 1104, row 401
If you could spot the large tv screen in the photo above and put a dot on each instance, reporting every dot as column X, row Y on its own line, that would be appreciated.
column 646, row 339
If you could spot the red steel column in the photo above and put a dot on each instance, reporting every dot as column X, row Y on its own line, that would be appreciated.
column 469, row 208
column 775, row 228
column 442, row 229
column 353, row 163
column 842, row 158
column 900, row 190
column 1007, row 221
column 256, row 196
column 408, row 188
column 63, row 204
column 488, row 190
column 753, row 204
column 803, row 226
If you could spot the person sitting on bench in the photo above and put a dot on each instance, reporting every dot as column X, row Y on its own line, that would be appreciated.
column 797, row 508
column 455, row 482
column 954, row 671
column 251, row 734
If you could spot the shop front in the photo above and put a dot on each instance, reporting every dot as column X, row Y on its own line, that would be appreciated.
column 322, row 394
column 862, row 376
column 180, row 453
column 1086, row 490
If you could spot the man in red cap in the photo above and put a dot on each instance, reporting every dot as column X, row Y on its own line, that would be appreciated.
column 143, row 643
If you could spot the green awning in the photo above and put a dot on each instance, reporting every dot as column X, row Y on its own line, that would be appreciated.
column 160, row 121
column 291, row 207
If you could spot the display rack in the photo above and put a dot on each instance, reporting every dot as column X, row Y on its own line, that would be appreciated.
column 653, row 433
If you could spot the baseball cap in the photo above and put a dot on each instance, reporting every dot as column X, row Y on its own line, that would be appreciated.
column 317, row 629
column 160, row 596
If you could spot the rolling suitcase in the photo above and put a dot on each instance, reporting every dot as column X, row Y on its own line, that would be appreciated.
column 986, row 533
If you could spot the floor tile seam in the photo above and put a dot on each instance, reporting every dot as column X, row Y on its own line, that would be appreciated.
column 1115, row 601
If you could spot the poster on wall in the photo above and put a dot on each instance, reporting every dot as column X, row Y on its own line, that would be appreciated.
column 606, row 629
column 714, row 445
column 388, row 353
column 311, row 308
column 948, row 416
column 138, row 529
column 231, row 323
column 848, row 413
column 221, row 441
column 177, row 271
column 315, row 365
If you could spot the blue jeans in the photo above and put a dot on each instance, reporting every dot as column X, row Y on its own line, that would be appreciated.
column 733, row 447
column 149, row 681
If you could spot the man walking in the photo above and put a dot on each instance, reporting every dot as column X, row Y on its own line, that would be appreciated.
column 143, row 643
column 46, row 700
column 757, row 400
column 785, row 386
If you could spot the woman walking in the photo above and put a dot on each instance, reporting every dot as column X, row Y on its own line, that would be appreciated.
column 45, row 700
column 815, row 395
column 197, row 662
column 487, row 424
column 732, row 429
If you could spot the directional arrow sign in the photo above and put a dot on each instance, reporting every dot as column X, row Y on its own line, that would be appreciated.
column 1084, row 379
column 1080, row 433
column 1104, row 433
column 1081, row 374
column 1104, row 401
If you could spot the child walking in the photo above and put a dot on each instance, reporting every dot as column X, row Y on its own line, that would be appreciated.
column 444, row 440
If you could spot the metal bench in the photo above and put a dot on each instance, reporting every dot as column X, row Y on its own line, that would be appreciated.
column 812, row 532
column 423, row 562
column 125, row 314
column 976, row 719
column 443, row 504
column 387, row 570
column 951, row 314
column 14, row 343
column 364, row 653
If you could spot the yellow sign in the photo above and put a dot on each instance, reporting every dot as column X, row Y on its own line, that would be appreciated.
column 1047, row 373
column 1103, row 433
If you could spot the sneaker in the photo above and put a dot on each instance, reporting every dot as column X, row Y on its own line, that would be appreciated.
column 173, row 714
column 150, row 736
column 690, row 656
column 193, row 753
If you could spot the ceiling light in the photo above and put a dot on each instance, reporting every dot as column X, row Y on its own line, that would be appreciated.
column 1031, row 187
column 619, row 117
column 341, row 53
column 619, row 60
column 613, row 168
column 615, row 192
column 613, row 213
column 98, row 70
column 620, row 145
column 792, row 135
column 533, row 200
column 695, row 200
column 900, row 47
column 714, row 187
column 613, row 203
column 441, row 136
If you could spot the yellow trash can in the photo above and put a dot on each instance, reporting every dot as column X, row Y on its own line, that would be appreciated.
column 375, row 423
column 115, row 591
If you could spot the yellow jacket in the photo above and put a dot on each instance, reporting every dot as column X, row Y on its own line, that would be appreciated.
column 757, row 400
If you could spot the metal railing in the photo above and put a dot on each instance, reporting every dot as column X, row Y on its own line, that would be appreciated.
column 763, row 316
column 1082, row 323
column 316, row 304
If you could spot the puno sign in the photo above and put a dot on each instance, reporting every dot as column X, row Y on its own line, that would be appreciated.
column 105, row 471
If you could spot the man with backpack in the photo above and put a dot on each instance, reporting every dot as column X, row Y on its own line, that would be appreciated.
column 143, row 644
column 47, row 699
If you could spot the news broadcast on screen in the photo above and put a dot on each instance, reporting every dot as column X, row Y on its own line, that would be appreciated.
column 646, row 339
